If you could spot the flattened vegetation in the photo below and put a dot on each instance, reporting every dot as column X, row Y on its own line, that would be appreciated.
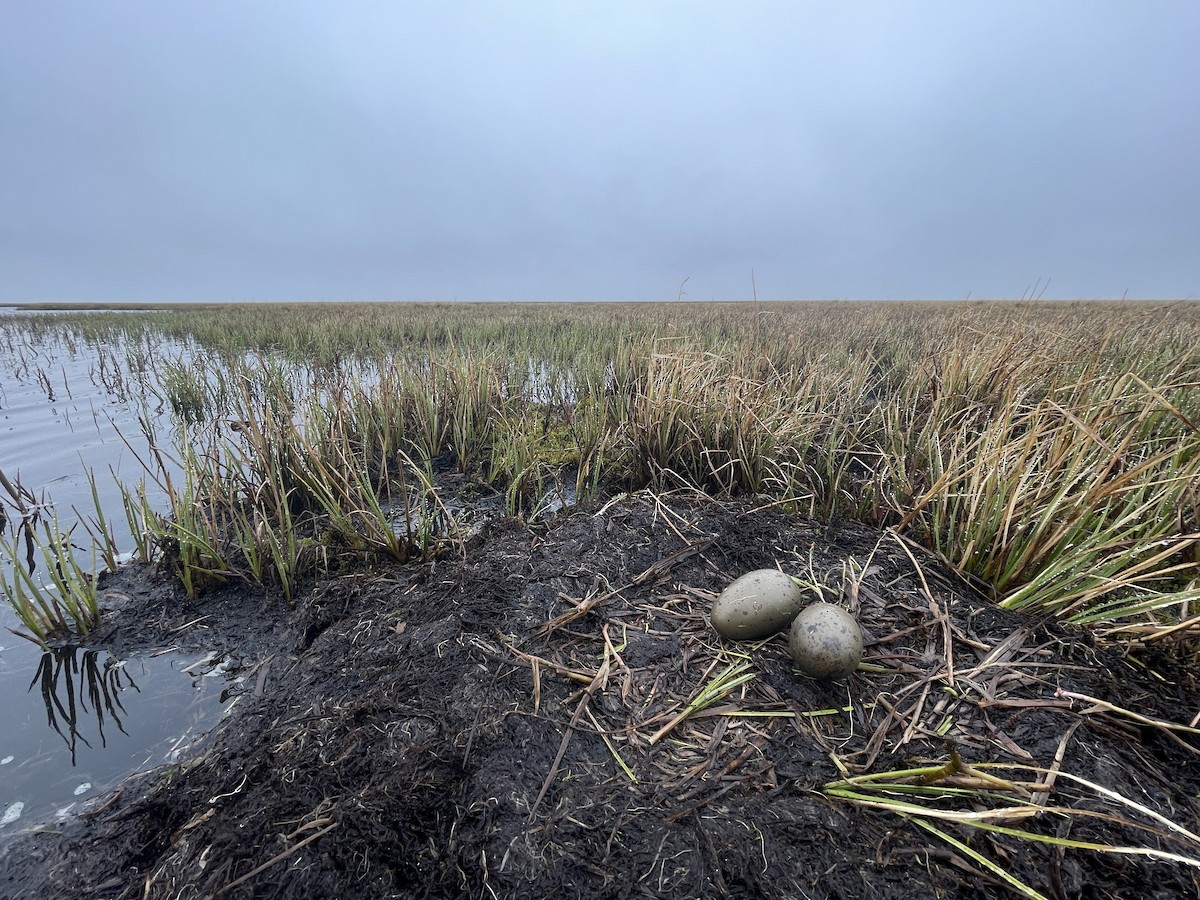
column 551, row 715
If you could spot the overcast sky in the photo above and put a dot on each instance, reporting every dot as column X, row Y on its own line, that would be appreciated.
column 290, row 150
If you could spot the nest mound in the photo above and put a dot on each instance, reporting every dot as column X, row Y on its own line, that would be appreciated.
column 550, row 715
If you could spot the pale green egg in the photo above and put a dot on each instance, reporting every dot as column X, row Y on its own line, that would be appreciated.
column 757, row 605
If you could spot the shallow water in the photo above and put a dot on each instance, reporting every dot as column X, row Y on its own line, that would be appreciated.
column 76, row 722
column 85, row 720
column 67, row 408
column 62, row 413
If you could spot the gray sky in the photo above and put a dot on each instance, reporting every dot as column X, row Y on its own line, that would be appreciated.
column 243, row 149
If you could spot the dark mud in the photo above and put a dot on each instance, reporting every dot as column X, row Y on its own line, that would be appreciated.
column 414, row 731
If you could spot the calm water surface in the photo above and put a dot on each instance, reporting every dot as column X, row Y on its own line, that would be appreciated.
column 75, row 722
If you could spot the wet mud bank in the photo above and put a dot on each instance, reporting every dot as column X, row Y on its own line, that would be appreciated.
column 529, row 718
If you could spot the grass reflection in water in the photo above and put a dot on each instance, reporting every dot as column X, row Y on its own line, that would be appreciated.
column 77, row 686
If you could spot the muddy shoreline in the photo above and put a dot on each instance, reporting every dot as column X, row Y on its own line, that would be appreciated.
column 416, row 731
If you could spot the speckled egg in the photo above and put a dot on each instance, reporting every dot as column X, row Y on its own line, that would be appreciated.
column 757, row 605
column 826, row 641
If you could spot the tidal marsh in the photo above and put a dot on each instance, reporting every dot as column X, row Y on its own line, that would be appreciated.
column 301, row 475
column 1047, row 450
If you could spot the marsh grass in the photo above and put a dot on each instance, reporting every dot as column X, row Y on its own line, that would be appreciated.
column 978, row 798
column 1081, row 503
column 52, row 591
column 1048, row 450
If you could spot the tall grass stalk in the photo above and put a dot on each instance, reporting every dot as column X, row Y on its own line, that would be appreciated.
column 98, row 527
column 61, row 600
column 1074, row 504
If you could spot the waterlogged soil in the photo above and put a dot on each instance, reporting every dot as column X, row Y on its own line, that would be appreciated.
column 417, row 731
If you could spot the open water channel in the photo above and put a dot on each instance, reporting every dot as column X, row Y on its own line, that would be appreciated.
column 77, row 721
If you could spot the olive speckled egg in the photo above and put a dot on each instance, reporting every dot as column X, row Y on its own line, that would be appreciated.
column 757, row 605
column 826, row 641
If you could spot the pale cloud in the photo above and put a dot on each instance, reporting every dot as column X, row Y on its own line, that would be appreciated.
column 288, row 150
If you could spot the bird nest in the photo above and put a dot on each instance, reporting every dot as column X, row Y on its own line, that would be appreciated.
column 551, row 714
